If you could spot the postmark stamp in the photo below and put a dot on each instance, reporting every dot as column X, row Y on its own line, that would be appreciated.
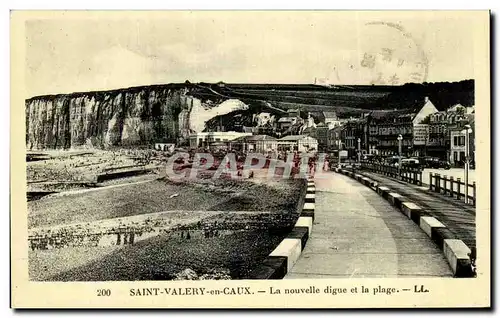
column 387, row 54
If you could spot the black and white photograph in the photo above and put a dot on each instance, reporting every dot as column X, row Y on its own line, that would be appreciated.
column 279, row 146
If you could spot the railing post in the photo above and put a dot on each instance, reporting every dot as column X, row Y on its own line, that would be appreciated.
column 474, row 193
column 445, row 187
column 458, row 189
column 451, row 187
column 438, row 183
column 430, row 180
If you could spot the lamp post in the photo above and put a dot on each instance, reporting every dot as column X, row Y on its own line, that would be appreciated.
column 338, row 141
column 466, row 131
column 359, row 150
column 400, row 139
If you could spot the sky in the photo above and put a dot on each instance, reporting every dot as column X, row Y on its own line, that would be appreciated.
column 100, row 51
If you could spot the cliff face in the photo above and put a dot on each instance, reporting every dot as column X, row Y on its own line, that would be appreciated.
column 134, row 116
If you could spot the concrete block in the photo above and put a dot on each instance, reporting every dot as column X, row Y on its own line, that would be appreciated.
column 383, row 191
column 301, row 233
column 409, row 207
column 310, row 197
column 273, row 267
column 308, row 206
column 291, row 248
column 382, row 188
column 366, row 181
column 391, row 196
column 305, row 221
column 427, row 223
column 308, row 213
column 308, row 210
column 457, row 255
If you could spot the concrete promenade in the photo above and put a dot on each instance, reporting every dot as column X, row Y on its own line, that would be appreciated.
column 356, row 233
column 455, row 214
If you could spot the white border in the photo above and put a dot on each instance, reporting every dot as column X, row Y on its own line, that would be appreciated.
column 188, row 4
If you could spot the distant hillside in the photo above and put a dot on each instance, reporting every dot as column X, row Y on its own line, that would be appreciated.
column 146, row 114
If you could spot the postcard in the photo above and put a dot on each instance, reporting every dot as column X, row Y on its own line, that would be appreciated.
column 250, row 159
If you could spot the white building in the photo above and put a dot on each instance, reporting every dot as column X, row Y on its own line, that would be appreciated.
column 425, row 111
column 256, row 143
column 300, row 143
column 457, row 142
column 204, row 139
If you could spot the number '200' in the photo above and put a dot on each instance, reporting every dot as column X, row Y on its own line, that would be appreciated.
column 104, row 292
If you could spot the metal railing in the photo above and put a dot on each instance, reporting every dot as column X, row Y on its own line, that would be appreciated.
column 407, row 174
column 451, row 187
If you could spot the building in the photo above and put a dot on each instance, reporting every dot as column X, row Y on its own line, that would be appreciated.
column 287, row 122
column 421, row 138
column 352, row 131
column 300, row 143
column 256, row 143
column 384, row 128
column 457, row 142
column 440, row 124
column 427, row 109
column 334, row 137
column 206, row 139
column 432, row 134
column 331, row 119
column 321, row 134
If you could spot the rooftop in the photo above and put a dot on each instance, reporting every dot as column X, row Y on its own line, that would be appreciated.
column 286, row 119
column 253, row 138
column 330, row 114
column 293, row 137
column 260, row 137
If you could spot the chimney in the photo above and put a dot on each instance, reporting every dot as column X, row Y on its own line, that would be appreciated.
column 426, row 99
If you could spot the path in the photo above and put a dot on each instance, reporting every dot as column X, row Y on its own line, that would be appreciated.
column 356, row 233
column 458, row 217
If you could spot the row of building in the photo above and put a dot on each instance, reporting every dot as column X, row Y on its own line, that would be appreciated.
column 425, row 131
column 248, row 142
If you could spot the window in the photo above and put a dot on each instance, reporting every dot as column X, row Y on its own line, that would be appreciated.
column 455, row 156
column 455, row 141
column 462, row 141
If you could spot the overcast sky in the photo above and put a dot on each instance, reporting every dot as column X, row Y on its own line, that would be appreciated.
column 100, row 52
